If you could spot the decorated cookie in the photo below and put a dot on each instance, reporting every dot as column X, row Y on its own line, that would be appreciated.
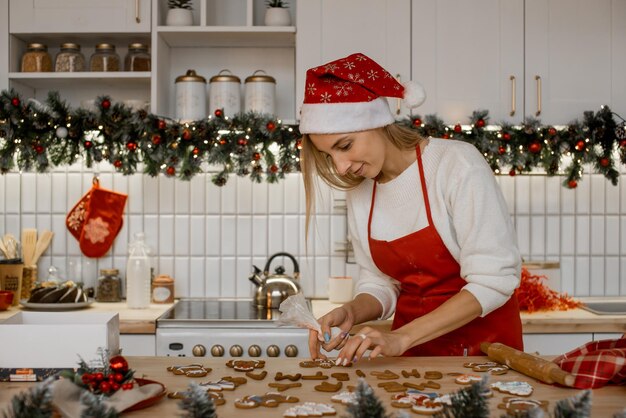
column 514, row 406
column 217, row 397
column 513, row 388
column 310, row 409
column 345, row 397
column 245, row 365
column 192, row 370
column 218, row 385
column 269, row 400
column 293, row 377
column 428, row 407
column 386, row 375
column 490, row 366
column 257, row 376
column 323, row 363
column 411, row 397
column 281, row 387
column 236, row 380
column 466, row 379
column 328, row 387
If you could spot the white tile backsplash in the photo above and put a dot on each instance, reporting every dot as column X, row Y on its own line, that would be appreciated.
column 208, row 237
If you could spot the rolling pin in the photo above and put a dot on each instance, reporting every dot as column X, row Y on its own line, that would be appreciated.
column 527, row 364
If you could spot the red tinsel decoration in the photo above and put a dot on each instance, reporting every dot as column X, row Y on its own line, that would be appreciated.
column 533, row 295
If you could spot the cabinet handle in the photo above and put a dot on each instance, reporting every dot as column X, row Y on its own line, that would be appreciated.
column 137, row 18
column 399, row 100
column 513, row 99
column 538, row 80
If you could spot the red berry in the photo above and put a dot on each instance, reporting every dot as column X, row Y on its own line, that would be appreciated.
column 457, row 128
column 552, row 131
column 39, row 149
column 132, row 146
column 88, row 144
column 115, row 387
column 242, row 141
column 506, row 136
column 117, row 163
column 86, row 378
column 512, row 172
column 572, row 184
column 580, row 145
column 161, row 124
column 256, row 156
column 105, row 386
column 15, row 101
column 98, row 377
column 127, row 386
column 445, row 136
column 480, row 123
column 118, row 377
column 170, row 171
column 156, row 139
column 186, row 135
column 501, row 150
column 299, row 144
column 106, row 104
column 274, row 168
column 270, row 126
column 222, row 142
column 196, row 151
column 604, row 162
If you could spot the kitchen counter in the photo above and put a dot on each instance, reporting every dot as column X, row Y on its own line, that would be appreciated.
column 606, row 401
column 548, row 322
column 132, row 321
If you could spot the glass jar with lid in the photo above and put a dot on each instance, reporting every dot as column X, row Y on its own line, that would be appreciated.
column 105, row 58
column 69, row 59
column 36, row 59
column 137, row 58
column 109, row 286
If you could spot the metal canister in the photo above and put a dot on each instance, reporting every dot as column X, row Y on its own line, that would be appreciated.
column 190, row 97
column 225, row 93
column 260, row 94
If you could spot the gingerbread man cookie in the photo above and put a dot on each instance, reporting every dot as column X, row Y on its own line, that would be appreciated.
column 490, row 366
column 245, row 365
column 345, row 397
column 218, row 385
column 323, row 363
column 514, row 406
column 386, row 375
column 257, row 376
column 513, row 388
column 192, row 370
column 310, row 409
column 269, row 400
column 281, row 387
column 467, row 379
column 217, row 397
column 293, row 377
column 328, row 387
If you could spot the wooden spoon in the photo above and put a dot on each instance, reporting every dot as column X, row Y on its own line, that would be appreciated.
column 42, row 244
column 29, row 242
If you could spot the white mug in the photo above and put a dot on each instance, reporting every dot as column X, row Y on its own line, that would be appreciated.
column 339, row 289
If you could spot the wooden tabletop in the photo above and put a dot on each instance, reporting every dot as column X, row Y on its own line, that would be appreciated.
column 606, row 401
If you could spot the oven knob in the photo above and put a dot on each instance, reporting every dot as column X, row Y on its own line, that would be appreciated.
column 217, row 351
column 236, row 350
column 198, row 350
column 291, row 351
column 273, row 351
column 254, row 351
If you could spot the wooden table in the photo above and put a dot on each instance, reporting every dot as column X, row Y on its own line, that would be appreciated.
column 606, row 401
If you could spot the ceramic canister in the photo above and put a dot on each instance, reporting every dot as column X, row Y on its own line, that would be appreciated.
column 260, row 94
column 225, row 93
column 190, row 96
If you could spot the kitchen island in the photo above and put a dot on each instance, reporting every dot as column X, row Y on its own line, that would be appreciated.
column 606, row 401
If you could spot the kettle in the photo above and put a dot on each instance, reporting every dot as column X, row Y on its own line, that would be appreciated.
column 271, row 290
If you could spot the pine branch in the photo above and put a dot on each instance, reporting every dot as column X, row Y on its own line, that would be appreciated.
column 36, row 402
column 577, row 406
column 468, row 402
column 95, row 407
column 367, row 403
column 621, row 414
column 198, row 404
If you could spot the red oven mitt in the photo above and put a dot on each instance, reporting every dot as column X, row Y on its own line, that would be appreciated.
column 596, row 364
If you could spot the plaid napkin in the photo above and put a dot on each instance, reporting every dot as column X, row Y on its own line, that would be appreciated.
column 596, row 364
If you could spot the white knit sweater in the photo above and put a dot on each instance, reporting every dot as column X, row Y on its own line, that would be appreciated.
column 468, row 211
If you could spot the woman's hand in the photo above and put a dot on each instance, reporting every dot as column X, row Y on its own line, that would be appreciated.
column 338, row 317
column 388, row 344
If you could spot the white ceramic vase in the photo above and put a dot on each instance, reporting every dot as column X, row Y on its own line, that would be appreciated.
column 179, row 17
column 277, row 16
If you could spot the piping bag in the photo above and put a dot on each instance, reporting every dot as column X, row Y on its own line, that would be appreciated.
column 295, row 312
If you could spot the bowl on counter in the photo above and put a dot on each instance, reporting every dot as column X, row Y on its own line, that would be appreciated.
column 6, row 299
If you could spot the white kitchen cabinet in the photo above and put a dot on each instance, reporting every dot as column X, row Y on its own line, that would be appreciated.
column 332, row 29
column 549, row 59
column 76, row 16
column 554, row 344
column 138, row 344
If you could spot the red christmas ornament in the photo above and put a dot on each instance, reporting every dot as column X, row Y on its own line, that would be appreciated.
column 535, row 147
column 417, row 122
column 219, row 113
column 106, row 104
column 186, row 135
column 512, row 172
column 457, row 128
column 88, row 144
column 552, row 131
column 38, row 149
column 580, row 145
column 299, row 144
column 132, row 146
column 501, row 150
column 156, row 139
column 445, row 136
column 274, row 168
column 256, row 156
column 622, row 143
column 242, row 141
column 270, row 126
column 118, row 364
column 222, row 142
column 170, row 171
column 572, row 184
column 480, row 123
column 15, row 101
column 196, row 151
column 117, row 163
column 604, row 162
column 506, row 136
column 161, row 124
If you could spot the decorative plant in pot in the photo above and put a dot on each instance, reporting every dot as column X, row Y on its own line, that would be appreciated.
column 180, row 13
column 277, row 13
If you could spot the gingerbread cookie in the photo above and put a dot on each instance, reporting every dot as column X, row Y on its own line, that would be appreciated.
column 515, row 406
column 293, row 377
column 310, row 409
column 359, row 373
column 192, row 370
column 345, row 397
column 432, row 385
column 316, row 376
column 490, row 366
column 269, row 400
column 236, row 380
column 411, row 397
column 415, row 386
column 245, row 365
column 413, row 373
column 342, row 377
column 328, row 387
column 467, row 379
column 257, row 376
column 513, row 388
column 323, row 363
column 281, row 387
column 433, row 375
column 217, row 397
column 392, row 386
column 218, row 385
column 428, row 407
column 386, row 375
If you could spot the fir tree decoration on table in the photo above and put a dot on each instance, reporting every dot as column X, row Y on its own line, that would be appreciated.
column 578, row 406
column 95, row 407
column 36, row 402
column 468, row 402
column 367, row 403
column 198, row 404
column 179, row 4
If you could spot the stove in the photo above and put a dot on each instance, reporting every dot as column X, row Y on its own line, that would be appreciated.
column 226, row 328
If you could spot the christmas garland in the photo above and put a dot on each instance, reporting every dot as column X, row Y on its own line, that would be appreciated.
column 39, row 136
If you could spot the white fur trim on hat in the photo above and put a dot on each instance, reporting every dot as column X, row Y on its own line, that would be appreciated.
column 335, row 118
column 414, row 94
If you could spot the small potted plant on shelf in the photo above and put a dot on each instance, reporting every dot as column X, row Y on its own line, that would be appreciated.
column 179, row 13
column 277, row 13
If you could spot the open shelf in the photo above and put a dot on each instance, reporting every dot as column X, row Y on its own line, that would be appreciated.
column 228, row 36
column 82, row 79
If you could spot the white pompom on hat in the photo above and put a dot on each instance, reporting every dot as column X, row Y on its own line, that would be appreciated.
column 348, row 95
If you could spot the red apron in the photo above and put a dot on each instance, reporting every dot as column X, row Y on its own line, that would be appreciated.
column 428, row 276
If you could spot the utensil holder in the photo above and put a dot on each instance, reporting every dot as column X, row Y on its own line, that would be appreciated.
column 29, row 278
column 11, row 278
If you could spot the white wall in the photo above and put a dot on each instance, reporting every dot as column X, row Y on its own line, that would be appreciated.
column 208, row 237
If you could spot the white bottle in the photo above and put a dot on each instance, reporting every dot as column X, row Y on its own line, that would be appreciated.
column 138, row 274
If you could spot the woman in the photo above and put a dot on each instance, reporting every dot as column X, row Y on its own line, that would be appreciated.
column 429, row 226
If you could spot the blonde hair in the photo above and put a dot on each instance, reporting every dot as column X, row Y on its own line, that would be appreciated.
column 313, row 161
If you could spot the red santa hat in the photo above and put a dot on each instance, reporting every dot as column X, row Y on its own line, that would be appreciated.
column 348, row 95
